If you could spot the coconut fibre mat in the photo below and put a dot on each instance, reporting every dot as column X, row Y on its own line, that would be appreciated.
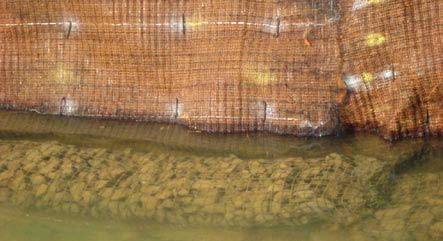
column 303, row 67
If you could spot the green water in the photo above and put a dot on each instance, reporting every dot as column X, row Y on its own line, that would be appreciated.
column 19, row 225
column 79, row 179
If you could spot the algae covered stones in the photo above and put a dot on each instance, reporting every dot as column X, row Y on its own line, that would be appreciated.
column 189, row 189
column 414, row 212
column 5, row 193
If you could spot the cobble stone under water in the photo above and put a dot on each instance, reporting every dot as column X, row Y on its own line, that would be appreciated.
column 190, row 189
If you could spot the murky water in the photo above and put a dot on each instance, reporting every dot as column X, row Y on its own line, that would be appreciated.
column 79, row 179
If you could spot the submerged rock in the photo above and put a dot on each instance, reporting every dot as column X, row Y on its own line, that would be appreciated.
column 191, row 189
column 412, row 213
column 37, row 179
column 437, row 230
column 5, row 194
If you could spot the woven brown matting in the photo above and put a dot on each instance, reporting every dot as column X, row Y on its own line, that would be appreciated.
column 301, row 67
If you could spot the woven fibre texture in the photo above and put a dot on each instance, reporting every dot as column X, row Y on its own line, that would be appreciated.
column 392, row 58
column 297, row 67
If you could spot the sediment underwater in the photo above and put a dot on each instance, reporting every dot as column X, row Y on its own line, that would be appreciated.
column 353, row 187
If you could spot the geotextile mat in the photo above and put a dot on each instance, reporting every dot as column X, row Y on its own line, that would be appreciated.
column 304, row 67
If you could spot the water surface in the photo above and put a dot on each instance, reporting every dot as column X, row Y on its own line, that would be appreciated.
column 78, row 179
